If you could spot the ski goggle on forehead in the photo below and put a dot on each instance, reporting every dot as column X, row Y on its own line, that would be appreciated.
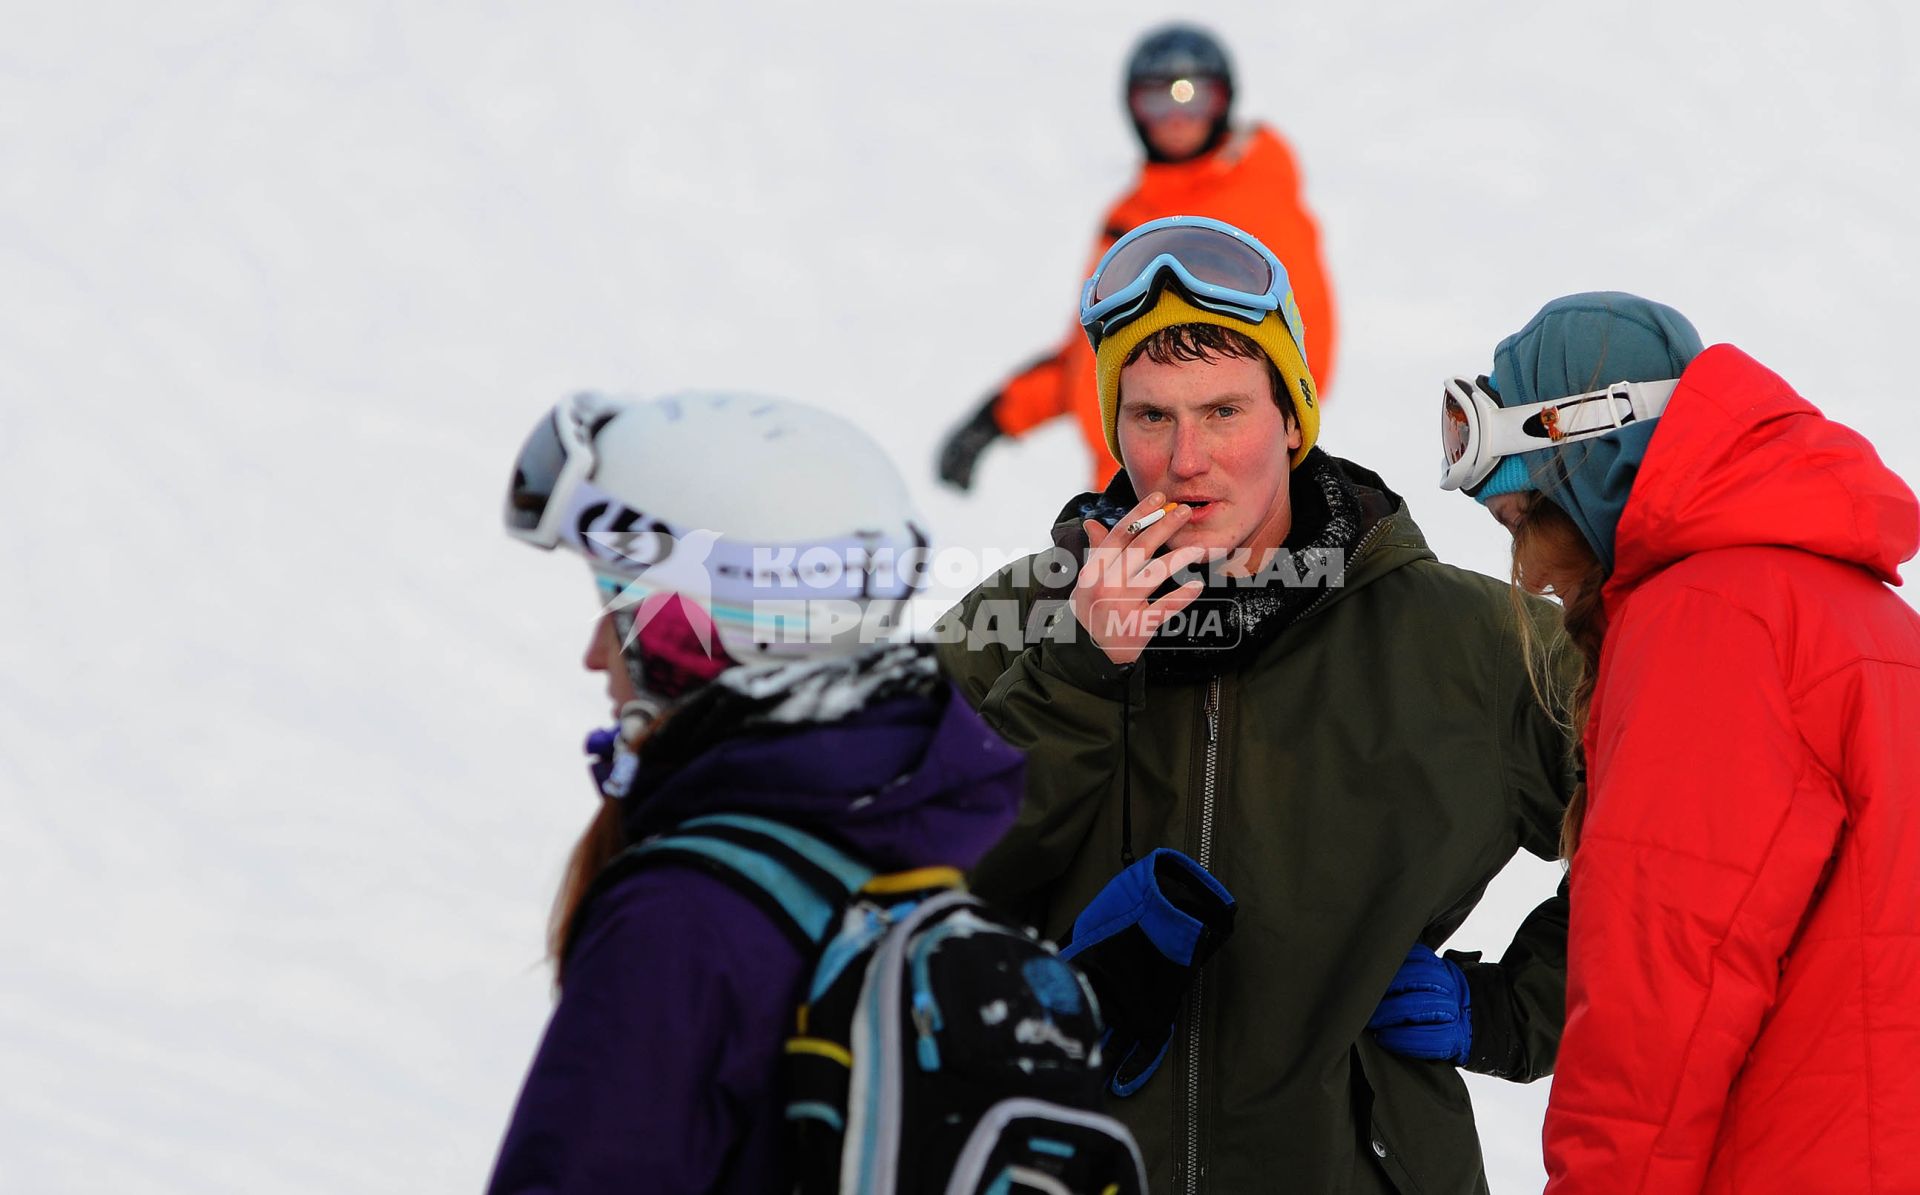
column 1214, row 264
column 553, row 468
column 1476, row 432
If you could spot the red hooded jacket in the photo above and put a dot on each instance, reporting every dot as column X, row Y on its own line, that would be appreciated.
column 1250, row 182
column 1743, row 995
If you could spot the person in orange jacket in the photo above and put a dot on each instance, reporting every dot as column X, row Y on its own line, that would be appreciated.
column 1743, row 966
column 1179, row 92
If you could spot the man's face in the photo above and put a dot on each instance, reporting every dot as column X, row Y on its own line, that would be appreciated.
column 1180, row 136
column 1208, row 434
column 1178, row 114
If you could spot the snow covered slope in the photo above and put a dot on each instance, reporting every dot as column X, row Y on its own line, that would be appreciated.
column 289, row 730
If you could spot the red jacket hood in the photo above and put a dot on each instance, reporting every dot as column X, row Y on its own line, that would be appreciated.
column 1741, row 460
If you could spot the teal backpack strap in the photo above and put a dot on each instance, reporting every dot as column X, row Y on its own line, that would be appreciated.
column 799, row 880
column 848, row 872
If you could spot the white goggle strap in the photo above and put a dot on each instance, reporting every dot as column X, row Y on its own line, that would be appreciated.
column 1511, row 430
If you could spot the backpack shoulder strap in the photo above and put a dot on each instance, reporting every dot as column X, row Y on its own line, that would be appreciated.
column 796, row 878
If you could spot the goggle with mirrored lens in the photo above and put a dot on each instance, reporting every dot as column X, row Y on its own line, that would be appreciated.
column 1161, row 98
column 553, row 465
column 1476, row 432
column 1215, row 265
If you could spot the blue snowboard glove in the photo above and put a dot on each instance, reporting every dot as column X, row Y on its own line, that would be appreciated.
column 1140, row 942
column 1426, row 1012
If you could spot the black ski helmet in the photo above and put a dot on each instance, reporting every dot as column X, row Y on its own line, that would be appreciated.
column 1179, row 51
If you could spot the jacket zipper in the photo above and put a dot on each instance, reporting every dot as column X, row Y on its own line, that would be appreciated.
column 1213, row 765
column 1212, row 710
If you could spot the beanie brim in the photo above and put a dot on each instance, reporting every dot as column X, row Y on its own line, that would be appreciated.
column 1513, row 475
column 1173, row 310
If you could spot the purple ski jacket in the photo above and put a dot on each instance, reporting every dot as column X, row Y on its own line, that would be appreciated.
column 659, row 1071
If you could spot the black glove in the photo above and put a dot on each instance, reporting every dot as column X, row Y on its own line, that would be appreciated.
column 965, row 444
column 1140, row 942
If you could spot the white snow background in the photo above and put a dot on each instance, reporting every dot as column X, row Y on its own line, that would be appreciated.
column 289, row 730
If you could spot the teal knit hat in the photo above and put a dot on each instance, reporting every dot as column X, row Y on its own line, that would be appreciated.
column 1576, row 344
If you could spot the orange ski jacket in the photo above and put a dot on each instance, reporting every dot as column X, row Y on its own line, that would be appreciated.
column 1250, row 182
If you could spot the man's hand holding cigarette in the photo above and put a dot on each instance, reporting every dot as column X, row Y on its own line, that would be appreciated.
column 1113, row 597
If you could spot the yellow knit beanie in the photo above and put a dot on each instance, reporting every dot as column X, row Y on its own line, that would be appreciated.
column 1171, row 310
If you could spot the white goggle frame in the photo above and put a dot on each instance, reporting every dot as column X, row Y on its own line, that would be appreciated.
column 569, row 489
column 1476, row 432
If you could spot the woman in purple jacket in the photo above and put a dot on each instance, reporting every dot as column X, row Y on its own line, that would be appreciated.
column 751, row 555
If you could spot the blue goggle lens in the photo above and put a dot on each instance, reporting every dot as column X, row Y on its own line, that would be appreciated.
column 1211, row 256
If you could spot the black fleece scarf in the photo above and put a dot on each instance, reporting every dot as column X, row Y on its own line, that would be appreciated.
column 1236, row 616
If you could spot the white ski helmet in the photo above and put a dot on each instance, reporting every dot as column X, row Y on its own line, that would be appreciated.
column 787, row 525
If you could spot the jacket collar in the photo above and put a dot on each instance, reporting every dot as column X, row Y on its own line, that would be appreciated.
column 1349, row 530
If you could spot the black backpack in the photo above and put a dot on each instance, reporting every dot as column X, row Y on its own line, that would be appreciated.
column 939, row 1049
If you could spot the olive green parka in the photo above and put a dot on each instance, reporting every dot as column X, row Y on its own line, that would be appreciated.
column 1355, row 782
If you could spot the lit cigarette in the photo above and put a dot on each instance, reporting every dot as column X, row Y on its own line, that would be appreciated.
column 1141, row 524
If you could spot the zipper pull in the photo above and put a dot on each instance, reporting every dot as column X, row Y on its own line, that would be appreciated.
column 1213, row 710
column 926, row 1022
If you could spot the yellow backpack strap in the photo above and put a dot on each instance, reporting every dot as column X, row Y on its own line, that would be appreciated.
column 918, row 880
column 822, row 1048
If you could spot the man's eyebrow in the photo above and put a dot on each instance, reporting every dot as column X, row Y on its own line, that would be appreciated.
column 1232, row 398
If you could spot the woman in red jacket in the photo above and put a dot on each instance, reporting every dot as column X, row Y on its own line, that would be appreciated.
column 1743, row 997
column 1179, row 93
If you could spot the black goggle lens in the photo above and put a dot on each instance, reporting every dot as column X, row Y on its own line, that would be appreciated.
column 535, row 474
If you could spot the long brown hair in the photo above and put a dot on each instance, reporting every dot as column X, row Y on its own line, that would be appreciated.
column 1551, row 556
column 605, row 837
